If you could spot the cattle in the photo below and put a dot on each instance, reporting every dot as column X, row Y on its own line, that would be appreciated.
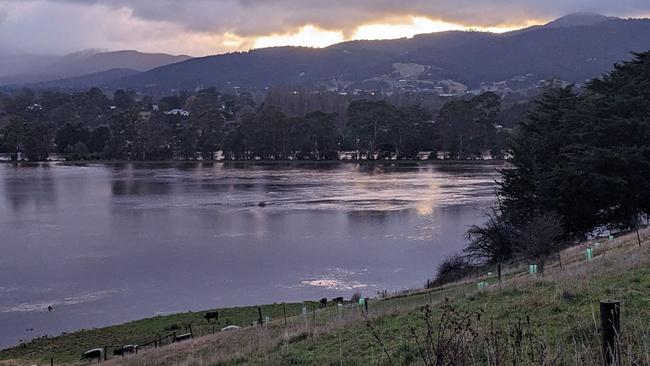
column 211, row 315
column 130, row 348
column 323, row 302
column 338, row 300
column 183, row 337
column 92, row 354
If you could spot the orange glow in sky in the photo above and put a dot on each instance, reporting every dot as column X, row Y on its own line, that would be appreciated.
column 311, row 36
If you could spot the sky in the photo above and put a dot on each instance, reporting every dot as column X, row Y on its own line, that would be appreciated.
column 206, row 27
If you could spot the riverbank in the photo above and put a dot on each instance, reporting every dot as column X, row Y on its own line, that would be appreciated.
column 556, row 314
column 260, row 162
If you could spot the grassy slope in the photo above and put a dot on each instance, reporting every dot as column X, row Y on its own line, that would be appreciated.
column 67, row 348
column 562, row 307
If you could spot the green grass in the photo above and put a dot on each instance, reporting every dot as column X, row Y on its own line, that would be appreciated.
column 559, row 311
column 67, row 348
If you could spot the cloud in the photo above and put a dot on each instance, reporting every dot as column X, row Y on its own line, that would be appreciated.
column 210, row 26
column 259, row 17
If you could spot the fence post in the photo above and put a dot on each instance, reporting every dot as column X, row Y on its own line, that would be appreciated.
column 284, row 308
column 173, row 337
column 260, row 320
column 365, row 304
column 191, row 333
column 610, row 322
column 51, row 361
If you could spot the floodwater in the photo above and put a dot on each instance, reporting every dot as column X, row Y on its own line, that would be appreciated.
column 104, row 244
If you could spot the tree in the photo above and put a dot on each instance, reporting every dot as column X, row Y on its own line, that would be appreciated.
column 70, row 134
column 615, row 154
column 98, row 139
column 452, row 269
column 123, row 100
column 491, row 243
column 406, row 130
column 539, row 149
column 207, row 120
column 467, row 127
column 37, row 141
column 541, row 237
column 320, row 136
column 369, row 126
column 14, row 136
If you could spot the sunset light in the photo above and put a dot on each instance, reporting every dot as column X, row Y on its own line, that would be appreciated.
column 313, row 36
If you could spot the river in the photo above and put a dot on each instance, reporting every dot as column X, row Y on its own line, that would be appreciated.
column 108, row 243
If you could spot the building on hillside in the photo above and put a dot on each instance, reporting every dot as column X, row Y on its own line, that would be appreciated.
column 178, row 112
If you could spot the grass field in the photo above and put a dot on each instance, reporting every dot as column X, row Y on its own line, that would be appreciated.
column 67, row 348
column 533, row 320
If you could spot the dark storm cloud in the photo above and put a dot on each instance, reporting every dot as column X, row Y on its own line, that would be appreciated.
column 255, row 17
column 204, row 26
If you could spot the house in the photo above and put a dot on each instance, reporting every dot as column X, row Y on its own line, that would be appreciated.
column 178, row 112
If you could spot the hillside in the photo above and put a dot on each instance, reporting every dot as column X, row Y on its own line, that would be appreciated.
column 549, row 319
column 29, row 69
column 573, row 48
column 85, row 82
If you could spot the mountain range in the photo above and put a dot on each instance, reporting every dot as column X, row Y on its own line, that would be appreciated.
column 573, row 48
column 28, row 69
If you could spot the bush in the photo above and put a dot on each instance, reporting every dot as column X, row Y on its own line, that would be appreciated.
column 452, row 269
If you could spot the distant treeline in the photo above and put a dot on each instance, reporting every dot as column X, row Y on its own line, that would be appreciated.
column 580, row 165
column 91, row 125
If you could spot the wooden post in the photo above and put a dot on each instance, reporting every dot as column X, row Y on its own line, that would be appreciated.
column 260, row 320
column 428, row 283
column 365, row 304
column 499, row 273
column 51, row 361
column 105, row 354
column 191, row 333
column 284, row 308
column 173, row 337
column 610, row 322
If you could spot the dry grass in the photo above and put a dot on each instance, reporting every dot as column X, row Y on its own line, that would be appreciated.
column 567, row 279
column 621, row 254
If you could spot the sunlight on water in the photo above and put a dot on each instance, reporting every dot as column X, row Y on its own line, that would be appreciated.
column 105, row 244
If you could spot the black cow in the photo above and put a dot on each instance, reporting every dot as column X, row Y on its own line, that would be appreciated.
column 183, row 337
column 92, row 354
column 124, row 350
column 323, row 302
column 338, row 300
column 211, row 315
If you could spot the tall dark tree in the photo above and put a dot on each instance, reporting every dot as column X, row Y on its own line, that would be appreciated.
column 207, row 120
column 98, row 139
column 369, row 126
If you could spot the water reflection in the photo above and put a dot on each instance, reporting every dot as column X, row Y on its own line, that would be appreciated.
column 152, row 238
column 29, row 186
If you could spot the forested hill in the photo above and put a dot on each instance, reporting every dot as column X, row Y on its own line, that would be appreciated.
column 573, row 48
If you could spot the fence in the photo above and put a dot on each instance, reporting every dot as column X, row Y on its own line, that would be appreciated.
column 336, row 314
